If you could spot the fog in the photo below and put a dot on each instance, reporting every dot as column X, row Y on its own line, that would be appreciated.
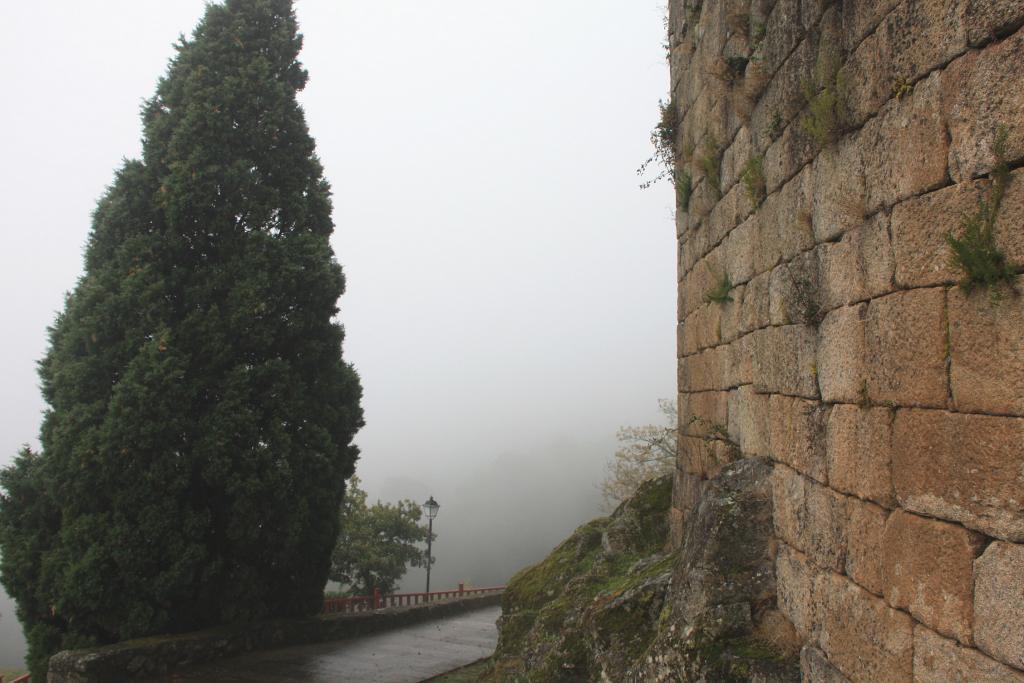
column 511, row 298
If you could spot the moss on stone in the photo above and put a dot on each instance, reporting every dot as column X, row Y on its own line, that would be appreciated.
column 536, row 585
column 547, row 630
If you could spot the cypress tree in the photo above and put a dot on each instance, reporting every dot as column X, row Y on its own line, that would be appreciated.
column 200, row 416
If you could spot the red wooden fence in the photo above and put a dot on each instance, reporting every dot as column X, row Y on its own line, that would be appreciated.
column 24, row 678
column 368, row 603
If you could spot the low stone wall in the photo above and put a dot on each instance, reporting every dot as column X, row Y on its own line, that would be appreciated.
column 150, row 658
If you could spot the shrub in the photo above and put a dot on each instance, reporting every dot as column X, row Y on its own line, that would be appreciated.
column 754, row 180
column 974, row 251
column 711, row 163
column 684, row 190
column 719, row 291
column 827, row 115
column 663, row 137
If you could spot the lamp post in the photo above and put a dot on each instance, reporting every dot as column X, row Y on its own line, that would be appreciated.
column 432, row 507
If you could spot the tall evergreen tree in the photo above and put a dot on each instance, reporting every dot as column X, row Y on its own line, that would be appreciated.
column 200, row 416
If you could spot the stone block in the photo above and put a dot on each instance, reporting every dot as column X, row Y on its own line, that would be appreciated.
column 797, row 435
column 686, row 490
column 861, row 17
column 693, row 245
column 700, row 372
column 795, row 578
column 696, row 457
column 857, row 267
column 904, row 147
column 783, row 228
column 929, row 571
column 986, row 19
column 731, row 316
column 786, row 156
column 691, row 291
column 911, row 41
column 676, row 527
column 749, row 420
column 964, row 468
column 708, row 320
column 810, row 517
column 940, row 660
column 842, row 354
column 815, row 667
column 739, row 367
column 793, row 292
column 987, row 352
column 687, row 342
column 786, row 32
column 754, row 309
column 740, row 251
column 699, row 412
column 998, row 596
column 906, row 342
column 840, row 189
column 981, row 91
column 1008, row 235
column 729, row 211
column 785, row 361
column 783, row 98
column 862, row 636
column 920, row 226
column 864, row 535
column 858, row 446
column 735, row 157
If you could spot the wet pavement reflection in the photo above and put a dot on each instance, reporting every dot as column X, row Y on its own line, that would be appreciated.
column 406, row 655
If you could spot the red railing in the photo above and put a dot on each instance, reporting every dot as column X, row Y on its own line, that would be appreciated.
column 368, row 603
column 24, row 678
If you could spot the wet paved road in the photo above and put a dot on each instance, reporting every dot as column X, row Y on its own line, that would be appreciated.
column 405, row 655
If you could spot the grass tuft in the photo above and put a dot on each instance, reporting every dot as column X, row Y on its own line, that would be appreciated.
column 827, row 115
column 711, row 163
column 754, row 180
column 974, row 251
column 684, row 190
column 720, row 290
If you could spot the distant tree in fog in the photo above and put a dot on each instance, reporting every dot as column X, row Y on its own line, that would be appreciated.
column 645, row 452
column 377, row 544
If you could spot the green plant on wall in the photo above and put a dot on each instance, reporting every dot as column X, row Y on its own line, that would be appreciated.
column 757, row 32
column 719, row 292
column 974, row 251
column 827, row 114
column 736, row 67
column 754, row 180
column 711, row 163
column 684, row 190
column 663, row 137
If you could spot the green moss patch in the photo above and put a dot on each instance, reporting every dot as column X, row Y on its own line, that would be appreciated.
column 553, row 608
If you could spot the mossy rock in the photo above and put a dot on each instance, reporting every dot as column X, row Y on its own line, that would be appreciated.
column 546, row 631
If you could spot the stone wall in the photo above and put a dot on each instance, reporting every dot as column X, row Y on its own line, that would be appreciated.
column 842, row 345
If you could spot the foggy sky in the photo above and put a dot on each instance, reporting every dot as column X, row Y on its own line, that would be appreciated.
column 511, row 294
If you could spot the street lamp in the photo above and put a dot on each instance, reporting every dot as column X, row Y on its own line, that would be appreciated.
column 432, row 507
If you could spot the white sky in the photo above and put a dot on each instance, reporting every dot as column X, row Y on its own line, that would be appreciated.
column 511, row 294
